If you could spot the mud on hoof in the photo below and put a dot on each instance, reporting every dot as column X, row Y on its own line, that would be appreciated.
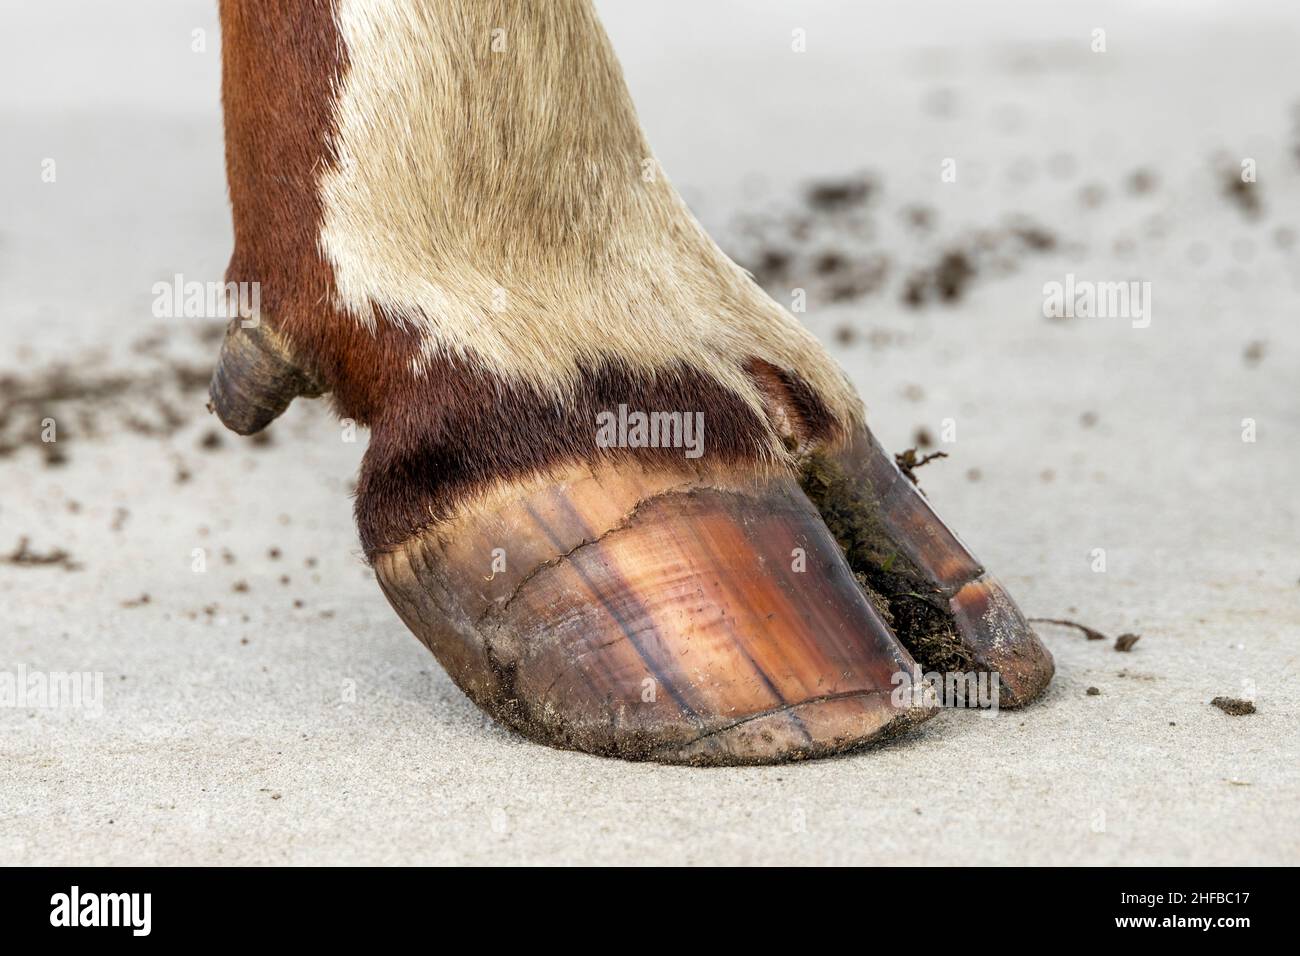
column 951, row 615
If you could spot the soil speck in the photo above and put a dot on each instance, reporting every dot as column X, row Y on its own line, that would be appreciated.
column 24, row 557
column 1234, row 706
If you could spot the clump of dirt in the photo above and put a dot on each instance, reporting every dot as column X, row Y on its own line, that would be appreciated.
column 995, row 251
column 908, row 462
column 920, row 218
column 24, row 557
column 1124, row 643
column 1142, row 181
column 1241, row 193
column 838, row 195
column 1034, row 238
column 946, row 280
column 1094, row 691
column 916, row 610
column 1234, row 706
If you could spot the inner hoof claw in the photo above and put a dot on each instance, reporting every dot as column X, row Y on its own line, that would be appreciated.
column 944, row 607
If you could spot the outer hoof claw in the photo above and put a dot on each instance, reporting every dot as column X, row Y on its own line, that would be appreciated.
column 631, row 618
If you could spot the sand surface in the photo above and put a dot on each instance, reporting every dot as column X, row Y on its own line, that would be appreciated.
column 273, row 709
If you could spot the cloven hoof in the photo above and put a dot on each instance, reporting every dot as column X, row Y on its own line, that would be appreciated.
column 449, row 215
column 653, row 618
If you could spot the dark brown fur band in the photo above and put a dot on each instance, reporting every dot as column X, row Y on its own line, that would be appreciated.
column 467, row 430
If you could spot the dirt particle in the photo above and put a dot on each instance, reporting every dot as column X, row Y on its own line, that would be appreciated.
column 1254, row 352
column 920, row 218
column 914, row 290
column 1234, row 706
column 142, row 600
column 1148, row 678
column 1142, row 181
column 773, row 262
column 908, row 462
column 23, row 556
column 240, row 587
column 1035, row 238
column 953, row 275
column 838, row 195
column 1094, row 691
column 55, row 456
column 1092, row 195
column 211, row 440
column 829, row 263
column 1242, row 194
column 1124, row 643
column 948, row 279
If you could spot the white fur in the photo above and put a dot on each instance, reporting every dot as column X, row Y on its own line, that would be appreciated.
column 470, row 179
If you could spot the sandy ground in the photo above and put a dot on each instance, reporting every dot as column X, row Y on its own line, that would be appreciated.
column 273, row 709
